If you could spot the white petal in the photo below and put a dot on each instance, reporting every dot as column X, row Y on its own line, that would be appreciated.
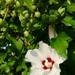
column 57, row 58
column 61, row 59
column 54, row 56
column 33, row 67
column 55, row 70
column 46, row 72
column 45, row 49
column 58, row 73
column 37, row 72
column 33, row 57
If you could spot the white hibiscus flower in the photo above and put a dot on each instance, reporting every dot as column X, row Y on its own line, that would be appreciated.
column 45, row 60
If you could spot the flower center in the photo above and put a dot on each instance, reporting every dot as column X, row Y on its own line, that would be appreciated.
column 48, row 63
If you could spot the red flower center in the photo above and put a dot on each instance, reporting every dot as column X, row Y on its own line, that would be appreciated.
column 48, row 63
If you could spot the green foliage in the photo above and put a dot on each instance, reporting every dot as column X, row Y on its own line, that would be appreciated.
column 51, row 1
column 23, row 23
column 69, row 21
column 71, row 8
column 18, row 45
column 61, row 44
column 29, row 4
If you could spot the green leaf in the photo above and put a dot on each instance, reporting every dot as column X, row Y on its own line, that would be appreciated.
column 12, row 40
column 71, row 8
column 21, row 1
column 39, row 25
column 69, row 21
column 11, row 61
column 61, row 44
column 14, row 50
column 2, row 57
column 29, row 4
column 21, row 66
column 18, row 44
column 74, row 52
column 24, row 72
column 5, row 67
column 53, row 18
column 13, row 27
column 51, row 1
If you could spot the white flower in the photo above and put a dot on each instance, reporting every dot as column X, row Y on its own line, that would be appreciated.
column 45, row 60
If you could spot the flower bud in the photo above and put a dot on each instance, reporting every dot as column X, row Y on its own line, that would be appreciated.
column 52, row 33
column 69, row 2
column 61, row 10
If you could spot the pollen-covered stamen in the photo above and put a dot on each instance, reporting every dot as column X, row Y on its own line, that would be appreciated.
column 48, row 63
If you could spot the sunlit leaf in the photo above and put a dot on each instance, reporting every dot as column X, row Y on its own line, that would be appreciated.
column 51, row 1
column 71, row 8
column 61, row 44
column 2, row 57
column 29, row 4
column 21, row 66
column 69, row 21
column 18, row 44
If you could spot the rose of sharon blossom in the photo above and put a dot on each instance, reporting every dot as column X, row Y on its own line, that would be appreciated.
column 45, row 60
